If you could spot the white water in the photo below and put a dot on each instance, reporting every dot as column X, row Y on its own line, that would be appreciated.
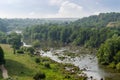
column 85, row 61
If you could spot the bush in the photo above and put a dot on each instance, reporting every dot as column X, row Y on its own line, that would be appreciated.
column 118, row 66
column 20, row 51
column 37, row 60
column 30, row 50
column 36, row 44
column 47, row 65
column 112, row 65
column 67, row 76
column 39, row 76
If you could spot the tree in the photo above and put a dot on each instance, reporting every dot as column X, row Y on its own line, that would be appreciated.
column 15, row 40
column 36, row 44
column 109, row 51
column 2, row 60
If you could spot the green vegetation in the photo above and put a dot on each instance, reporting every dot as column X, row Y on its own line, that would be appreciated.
column 2, row 60
column 100, row 20
column 88, row 32
column 36, row 44
column 109, row 52
column 39, row 76
column 15, row 40
column 55, row 35
column 99, row 31
column 24, row 67
column 3, row 25
column 13, row 24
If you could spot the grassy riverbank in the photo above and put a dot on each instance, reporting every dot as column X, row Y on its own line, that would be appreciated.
column 24, row 67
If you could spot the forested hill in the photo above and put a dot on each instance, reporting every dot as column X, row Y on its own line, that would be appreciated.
column 77, row 33
column 27, row 22
column 101, row 20
column 3, row 26
column 18, row 23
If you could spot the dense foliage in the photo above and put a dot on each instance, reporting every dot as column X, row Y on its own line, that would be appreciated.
column 2, row 60
column 109, row 52
column 15, row 40
column 18, row 23
column 98, row 21
column 90, row 31
column 55, row 34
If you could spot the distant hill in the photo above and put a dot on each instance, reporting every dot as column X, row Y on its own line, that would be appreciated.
column 3, row 25
column 18, row 23
column 101, row 20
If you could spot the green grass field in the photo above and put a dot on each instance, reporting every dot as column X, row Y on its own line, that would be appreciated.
column 24, row 67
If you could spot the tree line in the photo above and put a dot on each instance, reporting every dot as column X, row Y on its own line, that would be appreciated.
column 78, row 36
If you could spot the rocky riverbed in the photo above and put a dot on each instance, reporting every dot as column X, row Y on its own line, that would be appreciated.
column 84, row 59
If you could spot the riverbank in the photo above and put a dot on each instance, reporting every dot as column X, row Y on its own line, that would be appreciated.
column 85, row 59
column 25, row 67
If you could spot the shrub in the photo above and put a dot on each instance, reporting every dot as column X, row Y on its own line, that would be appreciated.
column 37, row 60
column 118, row 66
column 112, row 65
column 36, row 44
column 47, row 65
column 39, row 76
column 20, row 51
column 30, row 50
column 67, row 76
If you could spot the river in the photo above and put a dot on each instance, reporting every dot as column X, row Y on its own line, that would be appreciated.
column 86, row 62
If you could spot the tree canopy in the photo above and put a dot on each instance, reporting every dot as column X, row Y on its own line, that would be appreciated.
column 15, row 40
column 109, row 52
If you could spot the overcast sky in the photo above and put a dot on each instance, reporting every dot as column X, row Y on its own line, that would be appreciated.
column 56, row 8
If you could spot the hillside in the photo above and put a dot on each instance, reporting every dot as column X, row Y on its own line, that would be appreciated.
column 100, row 20
column 24, row 67
column 3, row 26
column 18, row 23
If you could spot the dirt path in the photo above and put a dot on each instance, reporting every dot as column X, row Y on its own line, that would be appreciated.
column 4, row 71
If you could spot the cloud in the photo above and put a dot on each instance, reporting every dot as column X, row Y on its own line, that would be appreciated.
column 32, row 13
column 51, row 8
column 9, row 1
column 96, row 13
column 56, row 2
column 69, row 9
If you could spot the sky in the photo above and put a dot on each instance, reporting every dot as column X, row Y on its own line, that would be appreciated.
column 56, row 8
